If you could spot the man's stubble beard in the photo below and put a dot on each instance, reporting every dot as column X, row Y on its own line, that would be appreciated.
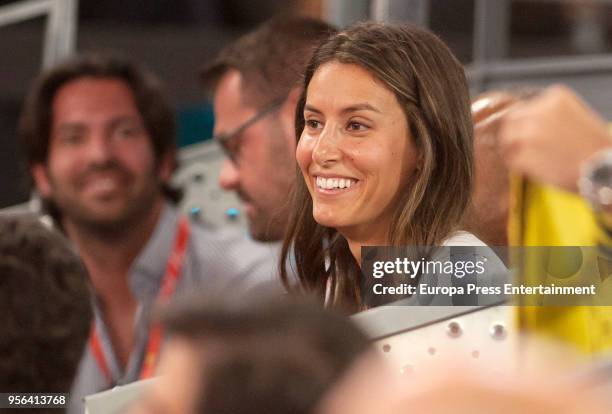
column 270, row 223
column 269, row 227
column 137, row 209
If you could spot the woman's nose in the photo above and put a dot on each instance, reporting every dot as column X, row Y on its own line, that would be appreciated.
column 327, row 149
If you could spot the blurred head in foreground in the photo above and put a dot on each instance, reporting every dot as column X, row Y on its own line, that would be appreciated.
column 45, row 312
column 545, row 377
column 270, row 357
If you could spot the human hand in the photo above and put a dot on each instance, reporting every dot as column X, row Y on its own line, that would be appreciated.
column 550, row 137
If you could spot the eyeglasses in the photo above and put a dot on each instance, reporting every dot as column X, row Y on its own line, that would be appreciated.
column 230, row 142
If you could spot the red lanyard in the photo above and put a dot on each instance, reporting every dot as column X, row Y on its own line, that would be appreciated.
column 168, row 287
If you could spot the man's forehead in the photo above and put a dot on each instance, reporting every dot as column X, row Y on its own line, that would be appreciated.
column 93, row 90
column 234, row 86
column 88, row 97
column 87, row 82
column 230, row 104
column 79, row 123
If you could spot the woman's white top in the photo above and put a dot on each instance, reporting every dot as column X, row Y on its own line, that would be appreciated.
column 459, row 238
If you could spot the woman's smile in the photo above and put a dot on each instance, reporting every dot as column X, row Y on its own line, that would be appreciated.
column 355, row 151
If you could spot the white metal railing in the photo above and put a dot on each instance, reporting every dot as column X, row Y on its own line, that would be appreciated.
column 60, row 29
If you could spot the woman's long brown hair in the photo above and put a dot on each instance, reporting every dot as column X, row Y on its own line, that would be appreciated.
column 430, row 86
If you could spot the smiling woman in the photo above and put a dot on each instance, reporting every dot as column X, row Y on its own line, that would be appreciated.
column 385, row 152
column 353, row 132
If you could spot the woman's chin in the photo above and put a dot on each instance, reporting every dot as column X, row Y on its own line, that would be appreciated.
column 329, row 219
column 327, row 223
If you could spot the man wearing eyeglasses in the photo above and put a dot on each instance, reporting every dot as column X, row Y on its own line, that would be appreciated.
column 256, row 83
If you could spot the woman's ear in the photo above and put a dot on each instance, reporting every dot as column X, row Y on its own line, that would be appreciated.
column 419, row 163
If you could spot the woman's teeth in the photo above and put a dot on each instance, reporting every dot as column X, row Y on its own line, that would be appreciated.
column 333, row 183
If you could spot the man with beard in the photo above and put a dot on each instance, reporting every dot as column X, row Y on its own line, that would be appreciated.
column 256, row 83
column 99, row 140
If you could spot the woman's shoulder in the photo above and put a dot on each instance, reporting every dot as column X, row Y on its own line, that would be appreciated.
column 462, row 238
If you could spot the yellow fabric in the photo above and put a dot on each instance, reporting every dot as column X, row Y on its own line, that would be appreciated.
column 545, row 216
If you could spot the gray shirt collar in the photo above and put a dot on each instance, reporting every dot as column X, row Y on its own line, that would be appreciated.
column 148, row 269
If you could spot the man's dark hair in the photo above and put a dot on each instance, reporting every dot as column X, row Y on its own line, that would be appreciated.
column 156, row 111
column 270, row 59
column 276, row 356
column 45, row 308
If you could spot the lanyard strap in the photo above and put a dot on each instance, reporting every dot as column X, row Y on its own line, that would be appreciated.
column 96, row 350
column 167, row 289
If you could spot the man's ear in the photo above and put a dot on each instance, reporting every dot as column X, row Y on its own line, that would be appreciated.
column 287, row 115
column 41, row 179
column 167, row 165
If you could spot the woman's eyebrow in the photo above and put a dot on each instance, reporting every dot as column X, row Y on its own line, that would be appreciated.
column 356, row 107
column 312, row 109
column 360, row 107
